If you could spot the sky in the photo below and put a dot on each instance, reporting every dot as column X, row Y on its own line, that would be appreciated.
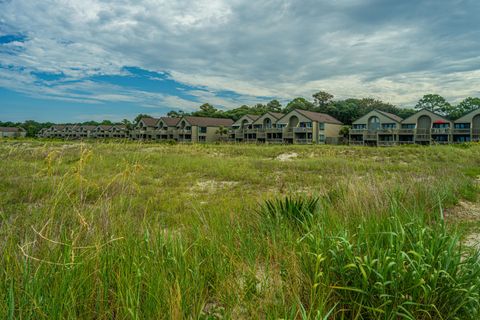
column 79, row 60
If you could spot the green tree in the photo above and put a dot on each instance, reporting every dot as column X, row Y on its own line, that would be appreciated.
column 221, row 131
column 274, row 106
column 467, row 105
column 127, row 124
column 322, row 98
column 139, row 117
column 299, row 103
column 434, row 103
column 176, row 114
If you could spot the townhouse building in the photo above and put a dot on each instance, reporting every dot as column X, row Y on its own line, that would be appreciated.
column 467, row 127
column 202, row 129
column 380, row 128
column 12, row 132
column 242, row 129
column 376, row 128
column 166, row 128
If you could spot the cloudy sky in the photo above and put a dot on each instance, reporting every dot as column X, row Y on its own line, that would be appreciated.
column 75, row 60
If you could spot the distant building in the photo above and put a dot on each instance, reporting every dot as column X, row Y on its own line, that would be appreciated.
column 12, row 132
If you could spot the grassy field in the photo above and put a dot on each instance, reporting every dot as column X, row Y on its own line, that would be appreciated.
column 130, row 230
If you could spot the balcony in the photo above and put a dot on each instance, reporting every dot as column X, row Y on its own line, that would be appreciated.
column 370, row 136
column 357, row 131
column 406, row 131
column 355, row 143
column 184, row 131
column 303, row 141
column 302, row 129
column 388, row 131
column 461, row 131
column 386, row 143
column 273, row 130
column 440, row 131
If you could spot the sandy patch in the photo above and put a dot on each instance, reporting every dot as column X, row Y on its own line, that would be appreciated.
column 213, row 185
column 287, row 156
column 465, row 210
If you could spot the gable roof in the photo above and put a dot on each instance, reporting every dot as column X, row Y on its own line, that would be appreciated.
column 277, row 115
column 88, row 127
column 58, row 127
column 104, row 126
column 149, row 122
column 428, row 111
column 11, row 129
column 253, row 117
column 169, row 121
column 390, row 115
column 466, row 115
column 208, row 122
column 317, row 116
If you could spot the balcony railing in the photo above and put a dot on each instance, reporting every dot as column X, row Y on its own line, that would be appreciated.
column 303, row 141
column 356, row 143
column 461, row 131
column 302, row 129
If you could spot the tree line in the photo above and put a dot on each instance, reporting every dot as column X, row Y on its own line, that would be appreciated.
column 347, row 110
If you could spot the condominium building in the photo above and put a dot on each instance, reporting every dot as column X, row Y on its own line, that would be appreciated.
column 376, row 128
column 424, row 127
column 242, row 129
column 202, row 129
column 467, row 128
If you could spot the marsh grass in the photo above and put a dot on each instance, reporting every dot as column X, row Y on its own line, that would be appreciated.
column 133, row 231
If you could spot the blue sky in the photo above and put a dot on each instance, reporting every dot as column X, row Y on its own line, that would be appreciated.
column 68, row 61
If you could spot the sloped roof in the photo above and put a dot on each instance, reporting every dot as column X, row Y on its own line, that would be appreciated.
column 104, row 126
column 467, row 114
column 120, row 126
column 149, row 122
column 88, row 127
column 208, row 122
column 253, row 116
column 277, row 115
column 170, row 121
column 428, row 111
column 11, row 129
column 58, row 126
column 319, row 117
column 390, row 115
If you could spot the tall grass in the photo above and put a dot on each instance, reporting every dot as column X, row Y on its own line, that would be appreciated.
column 139, row 231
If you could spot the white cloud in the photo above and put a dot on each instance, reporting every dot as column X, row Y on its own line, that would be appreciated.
column 396, row 51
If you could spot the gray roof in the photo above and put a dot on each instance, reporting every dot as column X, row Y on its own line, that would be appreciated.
column 208, row 122
column 11, row 129
column 170, row 121
column 390, row 115
column 149, row 122
column 319, row 117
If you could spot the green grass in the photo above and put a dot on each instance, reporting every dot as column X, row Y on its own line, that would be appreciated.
column 148, row 231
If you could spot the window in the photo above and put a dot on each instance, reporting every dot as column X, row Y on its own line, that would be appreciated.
column 360, row 126
column 281, row 125
column 441, row 125
column 389, row 125
column 203, row 129
column 202, row 138
column 321, row 137
column 321, row 126
column 462, row 125
column 408, row 126
column 305, row 125
column 373, row 123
